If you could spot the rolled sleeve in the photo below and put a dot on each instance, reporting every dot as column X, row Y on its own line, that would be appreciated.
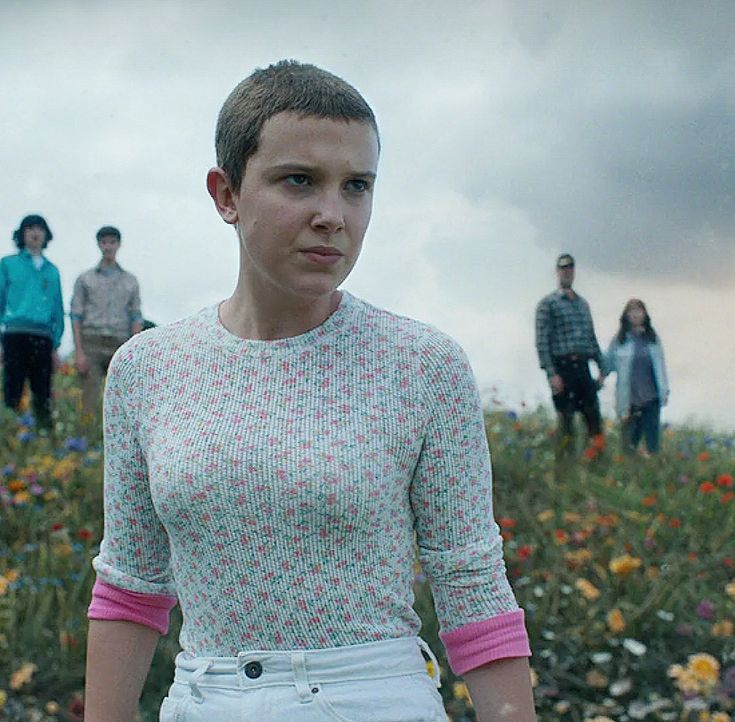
column 460, row 547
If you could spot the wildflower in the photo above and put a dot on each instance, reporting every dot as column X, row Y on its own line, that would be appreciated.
column 461, row 692
column 624, row 565
column 4, row 584
column 22, row 498
column 545, row 515
column 615, row 621
column 590, row 453
column 22, row 675
column 727, row 496
column 705, row 668
column 725, row 480
column 52, row 707
column 12, row 575
column 84, row 534
column 3, row 698
column 725, row 628
column 720, row 717
column 588, row 590
column 534, row 678
column 507, row 523
column 706, row 487
column 635, row 647
column 730, row 590
column 650, row 500
column 560, row 537
column 674, row 523
column 571, row 517
column 705, row 609
column 703, row 456
column 596, row 679
column 577, row 558
column 524, row 551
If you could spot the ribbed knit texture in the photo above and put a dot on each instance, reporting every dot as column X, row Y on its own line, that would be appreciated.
column 275, row 486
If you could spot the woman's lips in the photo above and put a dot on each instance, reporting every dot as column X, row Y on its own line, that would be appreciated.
column 322, row 255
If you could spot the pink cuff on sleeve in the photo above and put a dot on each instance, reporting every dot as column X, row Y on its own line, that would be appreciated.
column 478, row 643
column 115, row 604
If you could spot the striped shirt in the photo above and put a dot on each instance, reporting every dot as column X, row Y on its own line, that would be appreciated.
column 563, row 327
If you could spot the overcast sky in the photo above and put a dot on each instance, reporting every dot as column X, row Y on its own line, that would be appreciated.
column 511, row 131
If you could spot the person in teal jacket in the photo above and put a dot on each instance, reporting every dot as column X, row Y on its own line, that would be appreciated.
column 31, row 318
column 636, row 355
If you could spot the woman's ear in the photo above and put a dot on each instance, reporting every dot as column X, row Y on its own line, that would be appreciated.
column 218, row 186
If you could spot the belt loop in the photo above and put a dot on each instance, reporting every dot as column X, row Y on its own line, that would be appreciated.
column 436, row 676
column 196, row 675
column 298, row 664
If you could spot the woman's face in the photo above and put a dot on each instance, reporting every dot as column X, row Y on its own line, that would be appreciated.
column 636, row 315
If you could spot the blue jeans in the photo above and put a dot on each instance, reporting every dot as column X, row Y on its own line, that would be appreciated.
column 380, row 681
column 644, row 421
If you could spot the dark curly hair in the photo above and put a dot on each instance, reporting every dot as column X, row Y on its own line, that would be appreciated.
column 32, row 220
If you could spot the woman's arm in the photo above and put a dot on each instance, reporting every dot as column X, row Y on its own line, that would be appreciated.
column 119, row 656
column 501, row 691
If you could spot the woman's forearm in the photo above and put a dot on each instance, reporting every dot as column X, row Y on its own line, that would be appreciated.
column 119, row 656
column 501, row 691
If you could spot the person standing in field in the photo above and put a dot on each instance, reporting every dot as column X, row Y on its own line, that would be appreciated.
column 31, row 318
column 566, row 343
column 272, row 461
column 636, row 355
column 105, row 312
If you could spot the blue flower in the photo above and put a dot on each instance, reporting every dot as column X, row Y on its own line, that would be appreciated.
column 76, row 444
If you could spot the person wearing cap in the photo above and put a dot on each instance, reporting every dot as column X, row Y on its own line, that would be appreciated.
column 566, row 343
column 31, row 318
column 105, row 312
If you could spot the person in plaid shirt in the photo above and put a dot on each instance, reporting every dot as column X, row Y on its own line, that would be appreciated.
column 566, row 343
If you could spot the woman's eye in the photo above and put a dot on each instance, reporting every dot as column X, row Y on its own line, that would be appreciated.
column 298, row 179
column 357, row 185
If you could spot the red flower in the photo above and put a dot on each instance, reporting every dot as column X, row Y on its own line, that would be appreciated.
column 703, row 456
column 674, row 523
column 525, row 551
column 84, row 534
column 727, row 496
column 57, row 527
column 507, row 535
column 506, row 522
column 706, row 487
column 650, row 500
column 725, row 480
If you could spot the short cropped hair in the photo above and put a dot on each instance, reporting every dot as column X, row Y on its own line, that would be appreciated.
column 32, row 220
column 286, row 86
column 108, row 231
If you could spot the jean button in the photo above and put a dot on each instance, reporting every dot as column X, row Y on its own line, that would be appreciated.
column 253, row 670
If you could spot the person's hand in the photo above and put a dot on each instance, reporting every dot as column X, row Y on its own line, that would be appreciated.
column 81, row 362
column 557, row 384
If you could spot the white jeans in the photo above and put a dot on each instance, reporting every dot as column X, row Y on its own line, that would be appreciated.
column 378, row 682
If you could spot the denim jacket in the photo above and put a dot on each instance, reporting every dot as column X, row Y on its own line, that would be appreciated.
column 619, row 358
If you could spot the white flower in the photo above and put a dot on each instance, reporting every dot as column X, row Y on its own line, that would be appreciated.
column 635, row 647
column 601, row 657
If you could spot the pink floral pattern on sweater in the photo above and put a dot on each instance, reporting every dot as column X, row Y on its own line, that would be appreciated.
column 278, row 488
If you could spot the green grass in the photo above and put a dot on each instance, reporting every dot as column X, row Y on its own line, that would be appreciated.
column 603, row 638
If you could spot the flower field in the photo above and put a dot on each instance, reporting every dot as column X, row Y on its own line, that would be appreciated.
column 625, row 566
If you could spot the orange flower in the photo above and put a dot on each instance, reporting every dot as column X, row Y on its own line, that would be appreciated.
column 706, row 487
column 506, row 522
column 725, row 480
column 598, row 442
column 615, row 621
column 507, row 535
column 674, row 523
column 624, row 565
column 590, row 453
column 561, row 537
column 703, row 456
column 16, row 485
column 650, row 500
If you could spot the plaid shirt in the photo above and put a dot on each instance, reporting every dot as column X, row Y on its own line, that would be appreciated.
column 106, row 301
column 563, row 327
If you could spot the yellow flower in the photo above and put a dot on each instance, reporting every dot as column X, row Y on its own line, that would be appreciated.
column 23, row 675
column 22, row 497
column 704, row 667
column 725, row 628
column 431, row 669
column 4, row 584
column 545, row 515
column 52, row 707
column 615, row 621
column 534, row 678
column 596, row 679
column 3, row 698
column 63, row 549
column 588, row 590
column 50, row 495
column 577, row 558
column 720, row 717
column 730, row 589
column 12, row 575
column 624, row 565
column 461, row 692
column 571, row 517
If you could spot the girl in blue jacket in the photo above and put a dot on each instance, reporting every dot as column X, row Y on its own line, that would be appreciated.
column 642, row 388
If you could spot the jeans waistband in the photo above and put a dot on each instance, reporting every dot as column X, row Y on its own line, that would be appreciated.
column 258, row 668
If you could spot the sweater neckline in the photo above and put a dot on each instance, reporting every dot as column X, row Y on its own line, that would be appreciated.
column 230, row 342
